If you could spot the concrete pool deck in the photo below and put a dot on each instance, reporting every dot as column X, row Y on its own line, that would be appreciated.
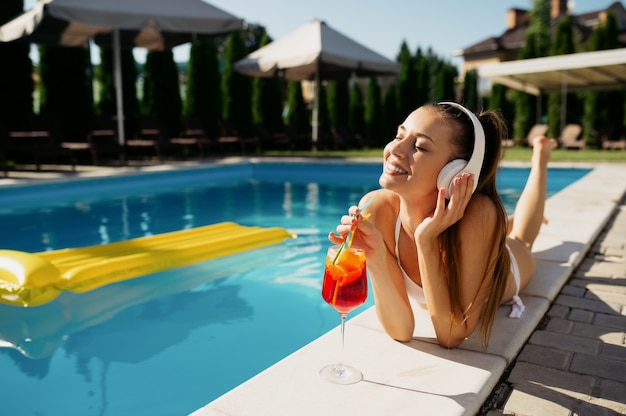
column 567, row 354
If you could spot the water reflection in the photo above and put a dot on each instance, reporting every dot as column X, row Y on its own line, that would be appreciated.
column 197, row 295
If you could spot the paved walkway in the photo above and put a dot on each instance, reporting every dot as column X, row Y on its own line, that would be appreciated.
column 575, row 361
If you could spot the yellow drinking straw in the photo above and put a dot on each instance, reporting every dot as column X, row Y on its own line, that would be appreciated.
column 351, row 234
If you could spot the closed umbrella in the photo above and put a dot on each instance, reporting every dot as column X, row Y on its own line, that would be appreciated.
column 315, row 52
column 152, row 24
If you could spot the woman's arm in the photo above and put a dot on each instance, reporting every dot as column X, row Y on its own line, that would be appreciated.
column 376, row 237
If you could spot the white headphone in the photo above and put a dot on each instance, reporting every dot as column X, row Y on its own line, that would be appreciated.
column 455, row 168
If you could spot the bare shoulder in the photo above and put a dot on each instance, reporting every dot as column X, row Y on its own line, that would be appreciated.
column 385, row 202
column 384, row 211
column 480, row 213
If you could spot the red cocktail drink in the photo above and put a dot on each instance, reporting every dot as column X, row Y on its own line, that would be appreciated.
column 345, row 282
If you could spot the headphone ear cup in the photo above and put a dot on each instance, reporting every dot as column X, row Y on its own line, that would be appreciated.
column 448, row 173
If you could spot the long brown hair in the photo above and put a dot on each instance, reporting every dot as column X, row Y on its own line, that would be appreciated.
column 463, row 145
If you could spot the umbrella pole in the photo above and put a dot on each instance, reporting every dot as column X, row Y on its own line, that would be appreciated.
column 316, row 106
column 117, row 71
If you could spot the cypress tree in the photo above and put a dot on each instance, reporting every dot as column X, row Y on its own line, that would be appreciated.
column 539, row 27
column 562, row 44
column 498, row 101
column 423, row 79
column 470, row 90
column 407, row 81
column 148, row 104
column 434, row 67
column 614, row 99
column 161, row 97
column 65, row 89
column 236, row 88
column 202, row 91
column 604, row 109
column 356, row 120
column 338, row 98
column 267, row 98
column 536, row 45
column 445, row 83
column 323, row 119
column 16, row 80
column 297, row 115
column 391, row 116
column 373, row 106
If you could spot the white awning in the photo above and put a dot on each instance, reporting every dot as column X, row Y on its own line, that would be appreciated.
column 600, row 70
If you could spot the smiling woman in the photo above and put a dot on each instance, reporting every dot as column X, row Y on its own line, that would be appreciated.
column 440, row 213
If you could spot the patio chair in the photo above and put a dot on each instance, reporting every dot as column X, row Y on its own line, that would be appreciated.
column 150, row 136
column 232, row 136
column 38, row 143
column 609, row 138
column 195, row 134
column 269, row 140
column 536, row 130
column 298, row 141
column 570, row 137
column 344, row 139
column 104, row 140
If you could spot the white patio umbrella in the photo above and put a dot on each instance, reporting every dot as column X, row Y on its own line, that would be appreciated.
column 315, row 52
column 151, row 24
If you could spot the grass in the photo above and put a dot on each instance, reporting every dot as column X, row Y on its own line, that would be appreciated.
column 563, row 155
column 511, row 154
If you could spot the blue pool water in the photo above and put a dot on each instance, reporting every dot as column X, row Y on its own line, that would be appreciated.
column 170, row 342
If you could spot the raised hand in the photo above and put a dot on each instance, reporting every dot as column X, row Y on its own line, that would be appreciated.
column 447, row 213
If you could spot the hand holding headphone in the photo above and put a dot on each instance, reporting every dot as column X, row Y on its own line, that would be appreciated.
column 455, row 168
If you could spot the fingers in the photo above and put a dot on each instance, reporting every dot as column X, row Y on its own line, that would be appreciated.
column 349, row 223
column 462, row 187
column 441, row 202
column 335, row 239
column 460, row 195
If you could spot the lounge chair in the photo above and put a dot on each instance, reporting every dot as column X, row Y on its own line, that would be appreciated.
column 39, row 142
column 614, row 144
column 272, row 141
column 232, row 136
column 570, row 137
column 344, row 139
column 195, row 134
column 535, row 131
column 150, row 136
column 608, row 137
column 298, row 141
column 104, row 140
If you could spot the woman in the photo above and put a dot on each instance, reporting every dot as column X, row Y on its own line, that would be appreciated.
column 458, row 256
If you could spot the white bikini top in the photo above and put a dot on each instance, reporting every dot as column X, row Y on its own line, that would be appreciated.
column 414, row 290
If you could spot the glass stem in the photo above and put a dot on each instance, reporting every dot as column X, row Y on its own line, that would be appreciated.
column 344, row 316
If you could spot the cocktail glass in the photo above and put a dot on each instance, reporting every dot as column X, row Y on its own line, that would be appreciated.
column 344, row 288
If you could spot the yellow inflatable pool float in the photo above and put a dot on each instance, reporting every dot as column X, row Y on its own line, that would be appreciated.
column 34, row 279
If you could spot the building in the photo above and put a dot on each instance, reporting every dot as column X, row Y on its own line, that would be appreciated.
column 508, row 45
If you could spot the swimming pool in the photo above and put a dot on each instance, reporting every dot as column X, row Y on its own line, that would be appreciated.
column 170, row 342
